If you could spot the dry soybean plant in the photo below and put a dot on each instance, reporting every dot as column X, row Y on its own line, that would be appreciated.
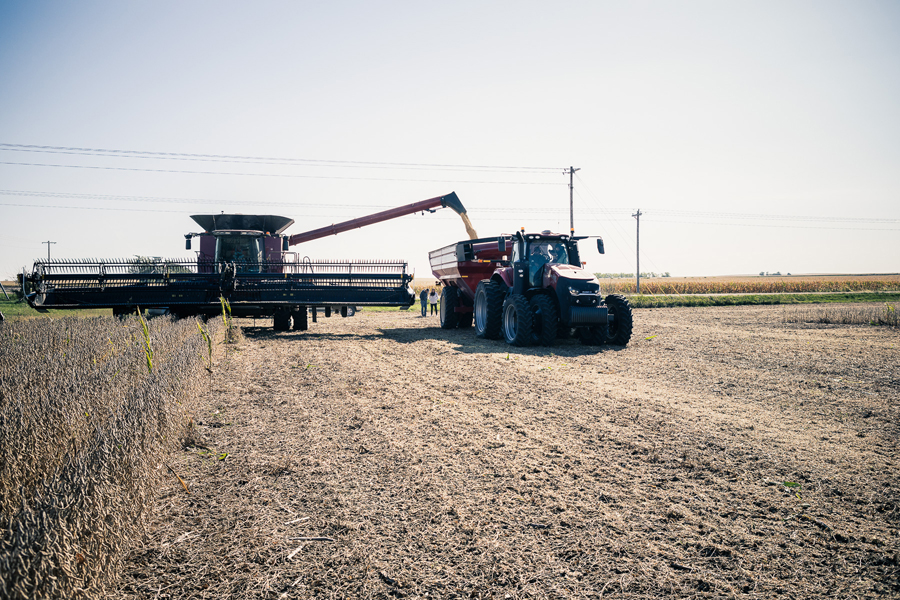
column 84, row 428
column 844, row 314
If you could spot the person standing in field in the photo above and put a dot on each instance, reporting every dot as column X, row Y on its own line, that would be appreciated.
column 423, row 298
column 433, row 300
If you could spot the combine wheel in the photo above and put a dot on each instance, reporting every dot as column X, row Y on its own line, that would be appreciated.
column 488, row 310
column 301, row 319
column 282, row 320
column 546, row 319
column 449, row 302
column 620, row 327
column 517, row 321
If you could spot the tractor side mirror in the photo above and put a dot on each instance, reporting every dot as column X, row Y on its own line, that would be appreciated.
column 600, row 246
column 285, row 244
column 187, row 242
column 501, row 244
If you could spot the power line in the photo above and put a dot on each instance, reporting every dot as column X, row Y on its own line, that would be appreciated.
column 264, row 159
column 293, row 214
column 776, row 226
column 271, row 174
column 726, row 215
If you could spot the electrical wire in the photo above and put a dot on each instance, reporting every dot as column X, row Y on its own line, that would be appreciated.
column 266, row 159
column 292, row 176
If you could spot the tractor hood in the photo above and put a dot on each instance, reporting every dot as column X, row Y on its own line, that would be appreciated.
column 570, row 277
column 570, row 272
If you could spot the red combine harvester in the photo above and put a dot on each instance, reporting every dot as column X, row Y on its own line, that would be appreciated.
column 528, row 287
column 245, row 259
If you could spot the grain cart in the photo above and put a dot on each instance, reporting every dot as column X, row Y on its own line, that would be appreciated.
column 529, row 288
column 245, row 259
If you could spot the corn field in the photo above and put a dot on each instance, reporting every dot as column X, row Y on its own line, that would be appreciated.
column 845, row 314
column 88, row 410
column 764, row 286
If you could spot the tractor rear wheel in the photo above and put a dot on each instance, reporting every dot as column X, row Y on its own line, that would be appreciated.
column 449, row 302
column 546, row 319
column 488, row 310
column 621, row 325
column 282, row 321
column 301, row 319
column 517, row 321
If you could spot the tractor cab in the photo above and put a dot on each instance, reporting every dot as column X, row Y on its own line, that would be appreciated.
column 534, row 251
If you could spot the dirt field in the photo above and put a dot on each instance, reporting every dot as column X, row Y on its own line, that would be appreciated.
column 382, row 457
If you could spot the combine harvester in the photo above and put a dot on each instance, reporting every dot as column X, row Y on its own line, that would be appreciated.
column 245, row 259
column 529, row 288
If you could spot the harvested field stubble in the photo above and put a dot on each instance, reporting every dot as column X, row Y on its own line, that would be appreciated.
column 753, row 285
column 854, row 314
column 84, row 427
column 723, row 453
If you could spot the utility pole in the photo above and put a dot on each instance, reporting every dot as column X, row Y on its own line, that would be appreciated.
column 571, row 172
column 48, row 242
column 637, row 216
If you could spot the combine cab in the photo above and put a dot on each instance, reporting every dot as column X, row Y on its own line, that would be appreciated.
column 529, row 288
column 245, row 259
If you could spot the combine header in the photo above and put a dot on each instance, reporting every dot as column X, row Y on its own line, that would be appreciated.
column 245, row 259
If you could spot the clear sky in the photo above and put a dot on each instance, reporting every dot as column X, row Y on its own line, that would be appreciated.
column 754, row 136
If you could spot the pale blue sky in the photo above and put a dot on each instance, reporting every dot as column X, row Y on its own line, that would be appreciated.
column 690, row 111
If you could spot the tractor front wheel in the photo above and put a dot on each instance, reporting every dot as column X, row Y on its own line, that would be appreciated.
column 595, row 335
column 517, row 321
column 621, row 324
column 449, row 302
column 546, row 319
column 488, row 310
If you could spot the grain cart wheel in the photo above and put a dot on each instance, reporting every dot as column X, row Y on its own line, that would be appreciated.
column 449, row 302
column 488, row 310
column 517, row 321
column 282, row 320
column 546, row 319
column 621, row 325
column 303, row 318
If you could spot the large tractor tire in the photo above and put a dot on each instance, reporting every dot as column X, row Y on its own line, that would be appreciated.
column 546, row 319
column 517, row 321
column 449, row 302
column 595, row 335
column 282, row 321
column 301, row 319
column 489, row 310
column 620, row 327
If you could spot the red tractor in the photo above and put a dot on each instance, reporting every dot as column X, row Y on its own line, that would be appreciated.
column 531, row 288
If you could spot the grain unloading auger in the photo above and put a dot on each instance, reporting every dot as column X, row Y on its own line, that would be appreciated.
column 245, row 259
